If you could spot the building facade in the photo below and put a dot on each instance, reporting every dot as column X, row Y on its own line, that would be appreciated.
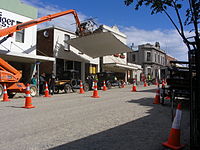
column 118, row 62
column 20, row 49
column 151, row 57
column 51, row 42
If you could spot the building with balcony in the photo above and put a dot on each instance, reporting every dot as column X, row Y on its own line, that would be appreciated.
column 151, row 57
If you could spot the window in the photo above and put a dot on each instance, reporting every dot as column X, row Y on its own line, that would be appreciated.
column 19, row 35
column 155, row 58
column 158, row 58
column 66, row 38
column 148, row 70
column 148, row 56
column 133, row 57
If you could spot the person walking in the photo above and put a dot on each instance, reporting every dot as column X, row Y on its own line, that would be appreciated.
column 34, row 80
column 52, row 81
column 42, row 82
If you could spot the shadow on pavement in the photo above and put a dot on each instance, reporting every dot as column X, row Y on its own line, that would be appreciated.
column 147, row 90
column 146, row 133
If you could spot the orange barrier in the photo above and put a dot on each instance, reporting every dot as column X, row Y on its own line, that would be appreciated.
column 104, row 86
column 46, row 91
column 81, row 88
column 134, row 89
column 174, row 136
column 95, row 92
column 157, row 97
column 5, row 94
column 28, row 100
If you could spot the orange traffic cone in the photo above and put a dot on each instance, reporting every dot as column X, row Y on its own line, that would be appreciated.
column 81, row 88
column 93, row 85
column 168, row 98
column 174, row 136
column 163, row 83
column 46, row 91
column 95, row 93
column 157, row 97
column 123, row 84
column 104, row 86
column 5, row 94
column 28, row 100
column 145, row 83
column 134, row 87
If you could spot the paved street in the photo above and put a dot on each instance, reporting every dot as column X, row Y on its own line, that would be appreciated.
column 118, row 120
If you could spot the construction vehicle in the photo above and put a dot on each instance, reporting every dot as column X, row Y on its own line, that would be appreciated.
column 8, row 74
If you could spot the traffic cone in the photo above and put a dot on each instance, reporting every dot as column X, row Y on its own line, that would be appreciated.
column 81, row 88
column 167, row 98
column 46, row 91
column 145, row 83
column 134, row 87
column 174, row 136
column 5, row 94
column 93, row 85
column 163, row 83
column 157, row 97
column 123, row 84
column 95, row 92
column 104, row 86
column 28, row 100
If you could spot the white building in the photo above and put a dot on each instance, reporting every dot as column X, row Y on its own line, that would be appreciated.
column 20, row 49
column 51, row 41
column 118, row 62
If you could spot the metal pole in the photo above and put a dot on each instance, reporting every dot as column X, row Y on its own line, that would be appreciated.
column 101, row 64
column 38, row 77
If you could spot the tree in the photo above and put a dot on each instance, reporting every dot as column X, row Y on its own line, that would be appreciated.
column 191, row 20
column 192, row 16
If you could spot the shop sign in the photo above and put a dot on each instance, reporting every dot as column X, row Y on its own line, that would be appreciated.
column 6, row 21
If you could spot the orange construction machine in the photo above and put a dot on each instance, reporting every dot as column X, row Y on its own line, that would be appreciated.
column 9, row 76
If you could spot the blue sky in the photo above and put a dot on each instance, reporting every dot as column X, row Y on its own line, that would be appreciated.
column 139, row 26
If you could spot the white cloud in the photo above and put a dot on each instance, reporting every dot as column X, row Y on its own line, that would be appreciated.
column 169, row 40
column 44, row 9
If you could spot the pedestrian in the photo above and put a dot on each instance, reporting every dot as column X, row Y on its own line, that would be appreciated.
column 52, row 81
column 42, row 82
column 149, row 79
column 34, row 80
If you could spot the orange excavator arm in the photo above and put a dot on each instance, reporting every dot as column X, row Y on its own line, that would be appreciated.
column 10, row 30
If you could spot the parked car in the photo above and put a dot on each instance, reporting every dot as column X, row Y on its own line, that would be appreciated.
column 109, row 78
column 69, row 82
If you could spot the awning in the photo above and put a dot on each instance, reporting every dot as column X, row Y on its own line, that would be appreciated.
column 72, row 56
column 121, row 66
column 26, row 58
column 99, row 44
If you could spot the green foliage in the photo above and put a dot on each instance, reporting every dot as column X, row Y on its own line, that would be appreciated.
column 192, row 15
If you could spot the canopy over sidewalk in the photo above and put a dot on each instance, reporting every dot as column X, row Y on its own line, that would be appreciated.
column 99, row 44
